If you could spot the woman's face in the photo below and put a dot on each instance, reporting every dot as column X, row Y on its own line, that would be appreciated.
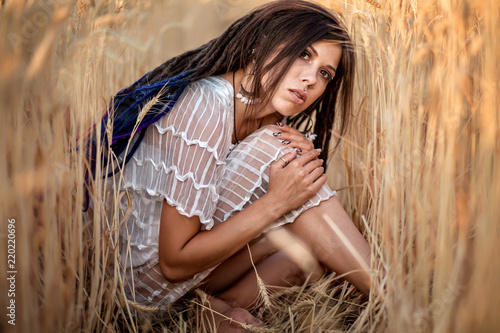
column 307, row 78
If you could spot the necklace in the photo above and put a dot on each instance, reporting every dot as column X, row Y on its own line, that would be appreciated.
column 248, row 101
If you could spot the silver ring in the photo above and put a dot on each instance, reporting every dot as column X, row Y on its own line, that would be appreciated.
column 281, row 158
column 311, row 136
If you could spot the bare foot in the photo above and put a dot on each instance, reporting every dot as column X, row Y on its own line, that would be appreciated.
column 226, row 317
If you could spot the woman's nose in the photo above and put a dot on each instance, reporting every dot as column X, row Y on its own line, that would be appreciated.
column 309, row 77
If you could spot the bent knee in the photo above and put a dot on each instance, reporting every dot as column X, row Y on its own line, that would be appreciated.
column 265, row 147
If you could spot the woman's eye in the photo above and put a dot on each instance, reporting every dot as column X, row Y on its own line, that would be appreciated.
column 325, row 74
column 305, row 55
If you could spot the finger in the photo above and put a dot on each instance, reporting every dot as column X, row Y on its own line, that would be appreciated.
column 288, row 129
column 282, row 135
column 294, row 139
column 301, row 143
column 315, row 174
column 320, row 181
column 287, row 158
column 315, row 180
column 291, row 136
column 312, row 165
column 306, row 157
column 312, row 171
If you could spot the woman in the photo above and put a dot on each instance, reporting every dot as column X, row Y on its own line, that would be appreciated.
column 212, row 171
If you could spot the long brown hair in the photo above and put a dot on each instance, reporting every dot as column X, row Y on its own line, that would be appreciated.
column 278, row 31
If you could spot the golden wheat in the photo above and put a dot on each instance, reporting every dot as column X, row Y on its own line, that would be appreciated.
column 419, row 170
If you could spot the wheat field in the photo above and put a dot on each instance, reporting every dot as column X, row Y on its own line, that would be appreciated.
column 419, row 171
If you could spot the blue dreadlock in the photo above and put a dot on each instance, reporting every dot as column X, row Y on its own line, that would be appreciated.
column 124, row 111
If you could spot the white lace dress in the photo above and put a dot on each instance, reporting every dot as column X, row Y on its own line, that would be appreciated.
column 187, row 158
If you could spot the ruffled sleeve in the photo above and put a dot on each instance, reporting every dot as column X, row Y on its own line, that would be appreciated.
column 182, row 157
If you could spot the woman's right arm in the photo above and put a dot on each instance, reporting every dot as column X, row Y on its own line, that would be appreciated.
column 184, row 250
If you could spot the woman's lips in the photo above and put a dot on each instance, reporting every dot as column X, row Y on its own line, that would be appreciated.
column 298, row 96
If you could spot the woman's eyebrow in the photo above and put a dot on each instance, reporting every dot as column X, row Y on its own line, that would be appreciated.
column 316, row 53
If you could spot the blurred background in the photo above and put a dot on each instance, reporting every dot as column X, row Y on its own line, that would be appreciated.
column 418, row 172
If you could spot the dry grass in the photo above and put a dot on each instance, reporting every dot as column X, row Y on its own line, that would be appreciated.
column 420, row 169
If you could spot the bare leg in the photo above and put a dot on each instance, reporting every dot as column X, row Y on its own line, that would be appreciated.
column 276, row 265
column 328, row 247
column 278, row 269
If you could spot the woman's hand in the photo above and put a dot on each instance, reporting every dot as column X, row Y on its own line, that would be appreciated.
column 293, row 180
column 293, row 137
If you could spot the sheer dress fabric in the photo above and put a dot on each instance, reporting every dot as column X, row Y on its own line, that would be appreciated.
column 187, row 159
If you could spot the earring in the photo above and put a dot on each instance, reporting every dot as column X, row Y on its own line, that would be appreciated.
column 243, row 90
column 246, row 96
